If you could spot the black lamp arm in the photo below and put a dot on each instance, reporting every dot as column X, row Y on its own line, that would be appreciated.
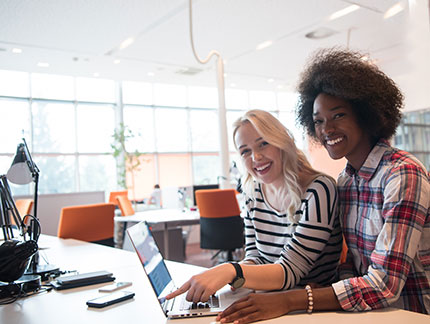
column 31, row 165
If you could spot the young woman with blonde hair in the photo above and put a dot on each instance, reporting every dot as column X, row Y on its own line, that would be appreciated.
column 292, row 233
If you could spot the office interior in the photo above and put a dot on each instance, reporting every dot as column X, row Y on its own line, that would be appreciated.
column 73, row 73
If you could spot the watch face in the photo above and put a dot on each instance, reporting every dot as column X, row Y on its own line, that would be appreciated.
column 238, row 282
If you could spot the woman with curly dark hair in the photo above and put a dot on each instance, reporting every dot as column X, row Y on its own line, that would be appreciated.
column 353, row 109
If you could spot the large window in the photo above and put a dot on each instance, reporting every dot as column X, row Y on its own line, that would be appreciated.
column 69, row 122
column 413, row 135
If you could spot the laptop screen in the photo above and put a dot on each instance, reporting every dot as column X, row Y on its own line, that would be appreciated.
column 150, row 257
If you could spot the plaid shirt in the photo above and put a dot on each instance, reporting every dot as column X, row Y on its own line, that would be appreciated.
column 386, row 223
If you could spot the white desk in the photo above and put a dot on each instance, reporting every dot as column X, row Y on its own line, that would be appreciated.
column 68, row 306
column 162, row 219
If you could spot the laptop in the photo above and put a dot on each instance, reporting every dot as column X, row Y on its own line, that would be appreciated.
column 162, row 283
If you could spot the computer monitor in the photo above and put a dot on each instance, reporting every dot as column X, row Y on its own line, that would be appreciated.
column 201, row 187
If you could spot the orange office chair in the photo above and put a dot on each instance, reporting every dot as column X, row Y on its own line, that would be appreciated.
column 24, row 207
column 344, row 252
column 221, row 227
column 114, row 194
column 90, row 223
column 125, row 205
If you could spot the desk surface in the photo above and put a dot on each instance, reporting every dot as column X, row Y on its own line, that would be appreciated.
column 172, row 217
column 69, row 306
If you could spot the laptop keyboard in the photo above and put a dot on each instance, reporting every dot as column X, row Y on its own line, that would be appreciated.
column 213, row 302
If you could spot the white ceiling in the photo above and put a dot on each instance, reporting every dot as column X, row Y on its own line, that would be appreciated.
column 82, row 37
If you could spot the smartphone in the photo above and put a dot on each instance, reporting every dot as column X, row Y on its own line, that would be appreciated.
column 110, row 299
column 115, row 286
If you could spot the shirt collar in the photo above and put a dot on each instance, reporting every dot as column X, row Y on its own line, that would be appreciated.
column 371, row 163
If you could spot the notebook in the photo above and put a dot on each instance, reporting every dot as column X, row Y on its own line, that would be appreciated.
column 162, row 283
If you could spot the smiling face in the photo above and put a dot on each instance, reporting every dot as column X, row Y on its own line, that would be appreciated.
column 337, row 129
column 261, row 159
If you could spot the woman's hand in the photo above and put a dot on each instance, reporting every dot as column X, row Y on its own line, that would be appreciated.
column 256, row 307
column 200, row 287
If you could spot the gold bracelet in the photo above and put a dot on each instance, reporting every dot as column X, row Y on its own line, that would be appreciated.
column 310, row 299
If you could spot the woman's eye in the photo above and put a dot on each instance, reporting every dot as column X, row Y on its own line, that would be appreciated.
column 244, row 152
column 317, row 121
column 263, row 144
column 339, row 115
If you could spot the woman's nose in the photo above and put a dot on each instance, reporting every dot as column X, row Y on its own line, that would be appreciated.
column 256, row 156
column 327, row 127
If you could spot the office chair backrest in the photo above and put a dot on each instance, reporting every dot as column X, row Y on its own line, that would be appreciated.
column 114, row 194
column 344, row 252
column 125, row 205
column 24, row 207
column 217, row 203
column 90, row 223
column 221, row 226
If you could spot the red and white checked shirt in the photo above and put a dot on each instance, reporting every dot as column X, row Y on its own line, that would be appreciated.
column 385, row 218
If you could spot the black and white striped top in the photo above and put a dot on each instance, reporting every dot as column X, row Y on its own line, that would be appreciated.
column 308, row 251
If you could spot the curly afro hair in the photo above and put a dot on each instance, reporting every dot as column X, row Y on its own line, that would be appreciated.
column 374, row 97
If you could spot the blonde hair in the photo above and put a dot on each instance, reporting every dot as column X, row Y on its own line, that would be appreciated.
column 293, row 160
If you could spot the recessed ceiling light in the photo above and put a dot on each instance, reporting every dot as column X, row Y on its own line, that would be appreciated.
column 117, row 61
column 96, row 74
column 321, row 32
column 343, row 12
column 151, row 74
column 225, row 75
column 126, row 43
column 16, row 50
column 232, row 85
column 280, row 86
column 270, row 80
column 43, row 64
column 394, row 10
column 264, row 45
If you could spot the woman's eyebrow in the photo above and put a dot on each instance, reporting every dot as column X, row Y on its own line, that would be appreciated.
column 331, row 109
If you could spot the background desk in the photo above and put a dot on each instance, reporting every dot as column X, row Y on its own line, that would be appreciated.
column 161, row 219
column 68, row 306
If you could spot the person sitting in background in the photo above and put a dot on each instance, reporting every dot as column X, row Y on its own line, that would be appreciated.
column 353, row 109
column 155, row 198
column 292, row 230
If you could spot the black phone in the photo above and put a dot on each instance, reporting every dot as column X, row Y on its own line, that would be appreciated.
column 110, row 299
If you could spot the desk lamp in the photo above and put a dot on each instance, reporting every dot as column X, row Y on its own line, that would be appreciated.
column 15, row 254
column 22, row 171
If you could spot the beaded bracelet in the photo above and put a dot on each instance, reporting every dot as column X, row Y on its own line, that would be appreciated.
column 310, row 299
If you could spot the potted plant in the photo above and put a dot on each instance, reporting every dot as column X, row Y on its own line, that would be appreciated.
column 127, row 162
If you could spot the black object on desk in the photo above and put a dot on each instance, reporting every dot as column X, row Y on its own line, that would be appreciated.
column 84, row 279
column 110, row 299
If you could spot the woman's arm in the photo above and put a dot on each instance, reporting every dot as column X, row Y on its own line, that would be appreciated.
column 318, row 232
column 262, row 306
column 260, row 277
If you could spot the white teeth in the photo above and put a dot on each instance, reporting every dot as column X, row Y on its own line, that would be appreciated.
column 335, row 141
column 261, row 168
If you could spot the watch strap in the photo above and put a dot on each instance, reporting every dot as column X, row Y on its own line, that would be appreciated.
column 239, row 272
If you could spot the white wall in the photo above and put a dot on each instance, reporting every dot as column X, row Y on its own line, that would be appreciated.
column 49, row 206
column 415, row 81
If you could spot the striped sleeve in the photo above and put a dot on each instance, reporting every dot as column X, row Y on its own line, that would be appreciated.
column 319, row 211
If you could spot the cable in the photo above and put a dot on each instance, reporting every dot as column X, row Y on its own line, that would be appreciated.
column 211, row 53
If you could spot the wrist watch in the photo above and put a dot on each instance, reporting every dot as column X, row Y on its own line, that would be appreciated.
column 239, row 280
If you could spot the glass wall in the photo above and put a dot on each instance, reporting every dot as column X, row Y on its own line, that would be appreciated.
column 413, row 135
column 68, row 124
